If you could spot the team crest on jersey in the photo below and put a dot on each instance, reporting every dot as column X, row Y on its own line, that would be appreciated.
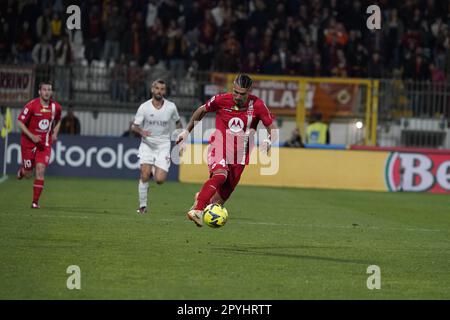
column 236, row 124
column 43, row 124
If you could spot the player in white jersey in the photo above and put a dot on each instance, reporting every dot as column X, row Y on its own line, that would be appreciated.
column 152, row 123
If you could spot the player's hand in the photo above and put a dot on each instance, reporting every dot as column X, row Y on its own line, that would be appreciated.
column 54, row 137
column 182, row 148
column 182, row 137
column 145, row 133
column 35, row 139
column 266, row 145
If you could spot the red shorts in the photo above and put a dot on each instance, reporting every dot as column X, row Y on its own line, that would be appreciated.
column 32, row 155
column 234, row 175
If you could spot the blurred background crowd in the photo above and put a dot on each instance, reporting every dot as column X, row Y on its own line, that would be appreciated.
column 314, row 38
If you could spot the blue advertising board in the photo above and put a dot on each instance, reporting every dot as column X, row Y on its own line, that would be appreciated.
column 86, row 156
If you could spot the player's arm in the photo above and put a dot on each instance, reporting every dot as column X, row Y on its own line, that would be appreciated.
column 272, row 129
column 56, row 131
column 24, row 129
column 196, row 117
column 137, row 129
column 272, row 132
column 58, row 124
column 138, row 122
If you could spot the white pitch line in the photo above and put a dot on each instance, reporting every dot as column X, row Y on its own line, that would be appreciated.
column 131, row 218
column 3, row 179
column 343, row 227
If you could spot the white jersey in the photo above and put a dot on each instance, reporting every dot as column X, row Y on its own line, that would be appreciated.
column 157, row 121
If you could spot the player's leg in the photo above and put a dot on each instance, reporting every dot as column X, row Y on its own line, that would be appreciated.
column 42, row 160
column 160, row 175
column 26, row 168
column 225, row 191
column 144, row 178
column 147, row 160
column 162, row 163
column 38, row 185
column 217, row 178
column 217, row 199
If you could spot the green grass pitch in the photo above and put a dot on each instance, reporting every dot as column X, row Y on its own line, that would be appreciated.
column 279, row 243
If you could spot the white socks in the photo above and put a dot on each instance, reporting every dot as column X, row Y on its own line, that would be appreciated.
column 143, row 192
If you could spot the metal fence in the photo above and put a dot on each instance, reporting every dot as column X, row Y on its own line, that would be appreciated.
column 119, row 88
column 410, row 113
column 414, row 114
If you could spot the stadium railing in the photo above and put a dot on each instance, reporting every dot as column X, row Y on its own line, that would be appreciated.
column 394, row 112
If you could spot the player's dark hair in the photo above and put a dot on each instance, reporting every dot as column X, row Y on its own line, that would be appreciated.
column 42, row 83
column 243, row 81
column 160, row 81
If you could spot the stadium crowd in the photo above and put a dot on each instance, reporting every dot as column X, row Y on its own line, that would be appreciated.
column 313, row 38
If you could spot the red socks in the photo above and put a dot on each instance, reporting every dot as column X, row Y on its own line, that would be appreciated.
column 37, row 189
column 209, row 189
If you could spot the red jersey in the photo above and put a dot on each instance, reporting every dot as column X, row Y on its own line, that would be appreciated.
column 40, row 120
column 233, row 138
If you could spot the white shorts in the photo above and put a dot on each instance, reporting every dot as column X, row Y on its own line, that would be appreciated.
column 156, row 155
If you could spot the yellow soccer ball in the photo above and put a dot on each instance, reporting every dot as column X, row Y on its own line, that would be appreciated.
column 215, row 215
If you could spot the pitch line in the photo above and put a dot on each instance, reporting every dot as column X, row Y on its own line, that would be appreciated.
column 3, row 179
column 275, row 224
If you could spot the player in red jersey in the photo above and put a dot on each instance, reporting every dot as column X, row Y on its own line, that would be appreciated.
column 237, row 116
column 39, row 122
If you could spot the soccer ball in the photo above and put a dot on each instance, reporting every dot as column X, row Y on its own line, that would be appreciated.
column 215, row 215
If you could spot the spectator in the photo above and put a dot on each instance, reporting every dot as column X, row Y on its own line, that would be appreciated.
column 43, row 24
column 113, row 31
column 203, row 57
column 93, row 35
column 119, row 84
column 64, row 57
column 251, row 42
column 5, row 40
column 24, row 44
column 43, row 52
column 317, row 131
column 133, row 43
column 156, row 69
column 136, row 82
column 56, row 27
column 152, row 14
column 70, row 123
column 296, row 140
column 176, row 52
column 375, row 69
column 251, row 64
column 273, row 66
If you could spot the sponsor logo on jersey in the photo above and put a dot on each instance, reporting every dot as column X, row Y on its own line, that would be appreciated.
column 159, row 123
column 44, row 124
column 236, row 124
column 45, row 110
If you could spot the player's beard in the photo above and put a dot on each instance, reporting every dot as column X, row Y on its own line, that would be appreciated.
column 46, row 100
column 158, row 97
column 239, row 103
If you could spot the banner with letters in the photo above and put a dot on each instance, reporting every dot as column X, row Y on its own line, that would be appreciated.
column 16, row 85
column 281, row 94
column 85, row 156
column 363, row 168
